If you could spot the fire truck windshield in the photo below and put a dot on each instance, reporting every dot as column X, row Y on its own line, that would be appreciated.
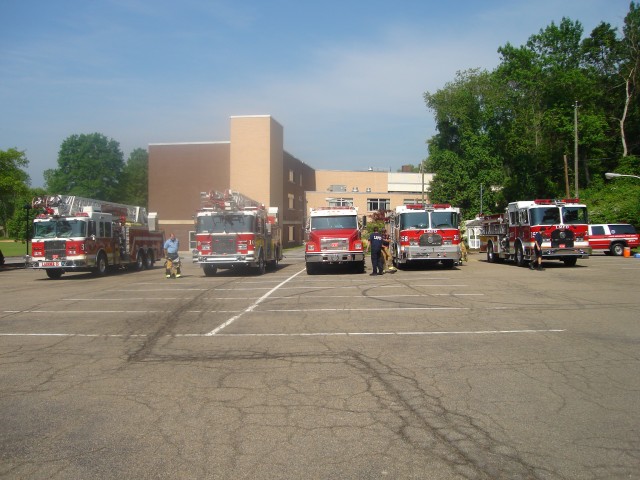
column 574, row 215
column 227, row 223
column 444, row 220
column 545, row 216
column 420, row 220
column 334, row 222
column 60, row 228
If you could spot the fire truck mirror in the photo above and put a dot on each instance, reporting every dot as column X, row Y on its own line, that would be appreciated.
column 268, row 229
column 364, row 220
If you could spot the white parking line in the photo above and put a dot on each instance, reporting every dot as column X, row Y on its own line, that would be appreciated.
column 318, row 334
column 254, row 305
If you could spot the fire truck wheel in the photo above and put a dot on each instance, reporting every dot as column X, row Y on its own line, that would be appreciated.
column 448, row 263
column 54, row 273
column 261, row 266
column 617, row 249
column 519, row 256
column 273, row 264
column 491, row 257
column 570, row 261
column 312, row 269
column 149, row 260
column 101, row 264
column 140, row 261
column 359, row 267
column 209, row 270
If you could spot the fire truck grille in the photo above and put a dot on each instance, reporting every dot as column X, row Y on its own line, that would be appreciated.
column 430, row 240
column 55, row 249
column 562, row 238
column 334, row 244
column 224, row 245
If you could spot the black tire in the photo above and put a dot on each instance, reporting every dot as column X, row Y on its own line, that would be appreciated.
column 101, row 264
column 54, row 273
column 491, row 256
column 570, row 261
column 312, row 268
column 273, row 264
column 617, row 249
column 141, row 261
column 261, row 265
column 209, row 270
column 519, row 255
column 149, row 260
column 448, row 264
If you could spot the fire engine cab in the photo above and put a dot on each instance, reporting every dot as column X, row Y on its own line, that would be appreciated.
column 425, row 233
column 234, row 231
column 334, row 237
column 562, row 224
column 82, row 234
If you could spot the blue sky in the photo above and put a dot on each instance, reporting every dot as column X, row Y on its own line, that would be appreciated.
column 345, row 78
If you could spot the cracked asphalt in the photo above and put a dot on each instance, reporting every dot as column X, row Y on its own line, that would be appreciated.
column 486, row 371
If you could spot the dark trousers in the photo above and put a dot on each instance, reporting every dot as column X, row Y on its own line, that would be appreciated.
column 376, row 261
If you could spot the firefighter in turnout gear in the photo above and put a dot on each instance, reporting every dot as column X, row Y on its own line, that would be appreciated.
column 171, row 249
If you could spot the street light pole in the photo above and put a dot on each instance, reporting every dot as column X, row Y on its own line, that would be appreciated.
column 27, row 207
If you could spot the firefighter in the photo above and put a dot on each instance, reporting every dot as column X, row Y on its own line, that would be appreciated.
column 171, row 249
column 386, row 255
column 537, row 250
column 375, row 245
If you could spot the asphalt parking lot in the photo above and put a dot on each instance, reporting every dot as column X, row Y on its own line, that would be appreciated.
column 486, row 371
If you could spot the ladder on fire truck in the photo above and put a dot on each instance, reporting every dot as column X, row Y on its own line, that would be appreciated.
column 228, row 200
column 72, row 204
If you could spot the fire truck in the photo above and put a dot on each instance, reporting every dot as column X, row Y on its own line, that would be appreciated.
column 334, row 237
column 425, row 234
column 562, row 224
column 74, row 234
column 235, row 231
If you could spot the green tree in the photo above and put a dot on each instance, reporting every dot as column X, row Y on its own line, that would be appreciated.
column 18, row 226
column 462, row 154
column 89, row 165
column 14, row 182
column 135, row 178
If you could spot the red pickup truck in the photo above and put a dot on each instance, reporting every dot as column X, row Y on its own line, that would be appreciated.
column 612, row 238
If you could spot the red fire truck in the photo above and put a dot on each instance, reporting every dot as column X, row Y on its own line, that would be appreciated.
column 334, row 237
column 234, row 231
column 82, row 234
column 562, row 223
column 425, row 233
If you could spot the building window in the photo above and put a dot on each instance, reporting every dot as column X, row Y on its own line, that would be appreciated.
column 291, row 239
column 192, row 240
column 291, row 201
column 375, row 204
column 340, row 202
column 291, row 176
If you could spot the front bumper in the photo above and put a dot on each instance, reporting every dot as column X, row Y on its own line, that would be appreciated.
column 334, row 257
column 67, row 264
column 434, row 254
column 226, row 260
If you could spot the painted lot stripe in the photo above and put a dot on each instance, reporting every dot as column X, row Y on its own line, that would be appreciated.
column 254, row 305
column 318, row 334
column 123, row 299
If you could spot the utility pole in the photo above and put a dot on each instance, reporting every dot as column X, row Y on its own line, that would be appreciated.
column 566, row 177
column 575, row 146
column 422, row 172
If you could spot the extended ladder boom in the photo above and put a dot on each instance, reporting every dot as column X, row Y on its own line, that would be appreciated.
column 72, row 205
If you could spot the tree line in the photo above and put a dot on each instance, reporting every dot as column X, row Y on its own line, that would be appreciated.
column 512, row 133
column 89, row 165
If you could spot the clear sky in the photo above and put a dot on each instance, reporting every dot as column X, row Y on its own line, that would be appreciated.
column 345, row 78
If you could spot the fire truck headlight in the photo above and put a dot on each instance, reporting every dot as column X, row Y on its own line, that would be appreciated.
column 311, row 247
column 357, row 245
